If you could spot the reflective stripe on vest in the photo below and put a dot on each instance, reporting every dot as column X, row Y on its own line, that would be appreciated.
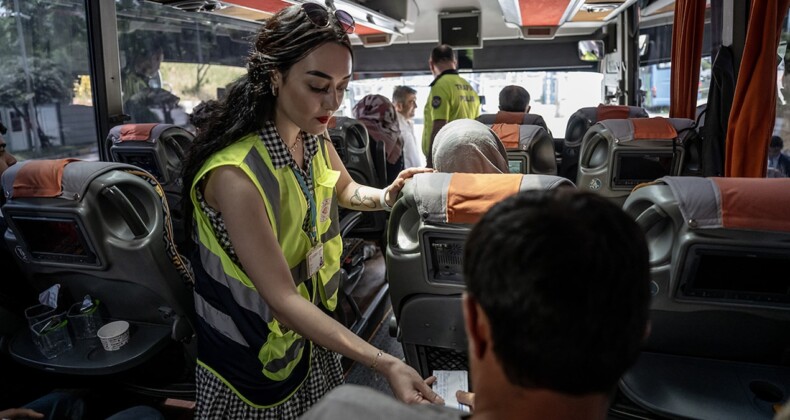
column 218, row 320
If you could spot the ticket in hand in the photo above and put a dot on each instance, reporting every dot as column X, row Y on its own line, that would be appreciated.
column 447, row 383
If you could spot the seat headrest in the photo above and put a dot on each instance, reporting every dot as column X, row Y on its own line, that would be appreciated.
column 62, row 178
column 465, row 198
column 732, row 203
column 138, row 132
column 515, row 136
column 658, row 128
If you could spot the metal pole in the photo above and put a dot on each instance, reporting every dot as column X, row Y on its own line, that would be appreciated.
column 31, row 116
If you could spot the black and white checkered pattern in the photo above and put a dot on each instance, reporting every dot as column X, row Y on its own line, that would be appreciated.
column 220, row 231
column 215, row 400
column 280, row 154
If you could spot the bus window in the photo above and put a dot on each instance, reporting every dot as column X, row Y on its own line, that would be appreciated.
column 554, row 95
column 45, row 92
column 656, row 68
column 171, row 60
column 779, row 147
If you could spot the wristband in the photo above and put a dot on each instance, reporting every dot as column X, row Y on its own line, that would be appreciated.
column 376, row 359
column 383, row 200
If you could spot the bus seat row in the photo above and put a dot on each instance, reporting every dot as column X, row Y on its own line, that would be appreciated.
column 102, row 229
column 720, row 306
column 427, row 230
column 578, row 125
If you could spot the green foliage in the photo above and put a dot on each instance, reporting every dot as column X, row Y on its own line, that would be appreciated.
column 49, row 82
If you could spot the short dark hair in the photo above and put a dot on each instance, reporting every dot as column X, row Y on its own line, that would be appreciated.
column 442, row 53
column 401, row 93
column 563, row 277
column 513, row 99
column 3, row 128
column 777, row 141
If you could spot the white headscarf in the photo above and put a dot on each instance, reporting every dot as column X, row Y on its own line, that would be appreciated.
column 468, row 146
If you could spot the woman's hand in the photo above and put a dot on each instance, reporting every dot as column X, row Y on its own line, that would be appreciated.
column 20, row 413
column 406, row 383
column 393, row 190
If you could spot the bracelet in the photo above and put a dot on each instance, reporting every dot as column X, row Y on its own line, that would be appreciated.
column 376, row 359
column 383, row 200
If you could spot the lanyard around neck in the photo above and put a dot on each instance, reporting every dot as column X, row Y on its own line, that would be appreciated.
column 308, row 196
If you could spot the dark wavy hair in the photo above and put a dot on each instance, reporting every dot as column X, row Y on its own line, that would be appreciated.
column 285, row 39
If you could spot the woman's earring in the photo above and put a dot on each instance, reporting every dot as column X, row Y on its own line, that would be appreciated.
column 274, row 90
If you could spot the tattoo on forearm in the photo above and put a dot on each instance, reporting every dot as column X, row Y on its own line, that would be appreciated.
column 362, row 201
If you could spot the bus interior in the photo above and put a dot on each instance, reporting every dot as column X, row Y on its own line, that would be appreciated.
column 116, row 86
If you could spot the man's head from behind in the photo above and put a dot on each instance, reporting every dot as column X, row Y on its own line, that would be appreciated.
column 514, row 98
column 775, row 146
column 443, row 58
column 405, row 100
column 559, row 281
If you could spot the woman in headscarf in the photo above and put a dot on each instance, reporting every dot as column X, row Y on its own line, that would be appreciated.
column 468, row 146
column 379, row 116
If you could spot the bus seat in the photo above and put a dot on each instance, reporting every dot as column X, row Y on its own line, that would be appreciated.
column 103, row 229
column 427, row 230
column 350, row 138
column 617, row 155
column 530, row 148
column 505, row 117
column 720, row 310
column 158, row 149
column 581, row 121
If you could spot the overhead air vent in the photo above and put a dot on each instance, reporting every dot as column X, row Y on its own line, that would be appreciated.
column 194, row 5
column 376, row 40
column 538, row 32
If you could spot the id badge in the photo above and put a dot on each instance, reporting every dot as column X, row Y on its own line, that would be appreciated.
column 315, row 260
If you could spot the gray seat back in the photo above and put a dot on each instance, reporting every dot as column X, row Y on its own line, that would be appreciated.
column 350, row 138
column 581, row 121
column 160, row 150
column 720, row 311
column 720, row 254
column 427, row 230
column 102, row 229
column 530, row 148
column 617, row 155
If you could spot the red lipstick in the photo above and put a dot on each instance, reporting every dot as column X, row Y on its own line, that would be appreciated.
column 323, row 120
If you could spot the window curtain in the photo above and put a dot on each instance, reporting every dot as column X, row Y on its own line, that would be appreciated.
column 754, row 106
column 686, row 54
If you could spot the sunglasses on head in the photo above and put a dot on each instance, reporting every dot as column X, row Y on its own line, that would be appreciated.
column 320, row 17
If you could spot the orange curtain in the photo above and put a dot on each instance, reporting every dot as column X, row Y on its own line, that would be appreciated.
column 754, row 105
column 686, row 55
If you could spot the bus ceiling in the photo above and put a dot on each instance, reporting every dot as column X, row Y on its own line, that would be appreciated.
column 386, row 22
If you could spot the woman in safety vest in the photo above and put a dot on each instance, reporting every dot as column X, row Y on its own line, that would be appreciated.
column 263, row 187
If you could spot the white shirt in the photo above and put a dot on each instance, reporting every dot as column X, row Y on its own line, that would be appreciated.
column 412, row 152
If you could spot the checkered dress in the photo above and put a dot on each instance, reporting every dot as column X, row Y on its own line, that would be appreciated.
column 215, row 400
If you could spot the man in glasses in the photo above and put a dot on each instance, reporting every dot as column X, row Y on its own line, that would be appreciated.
column 451, row 97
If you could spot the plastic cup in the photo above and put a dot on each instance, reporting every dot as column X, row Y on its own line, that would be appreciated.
column 37, row 313
column 85, row 324
column 114, row 335
column 51, row 336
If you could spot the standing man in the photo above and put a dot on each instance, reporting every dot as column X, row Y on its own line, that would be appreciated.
column 405, row 100
column 451, row 97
